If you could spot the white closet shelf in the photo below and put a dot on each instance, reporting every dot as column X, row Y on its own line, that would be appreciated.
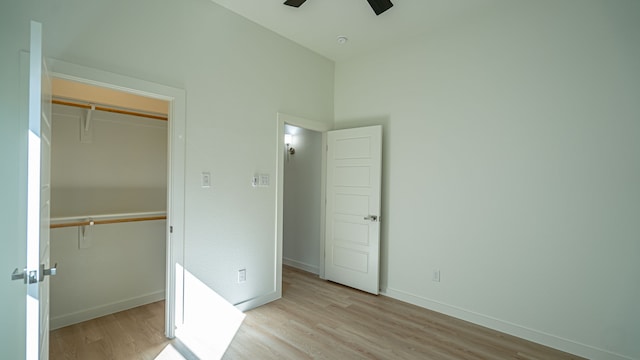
column 88, row 220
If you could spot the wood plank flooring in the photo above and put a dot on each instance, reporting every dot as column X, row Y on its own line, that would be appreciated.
column 136, row 333
column 315, row 319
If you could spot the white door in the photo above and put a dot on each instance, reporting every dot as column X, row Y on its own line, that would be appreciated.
column 38, row 197
column 352, row 236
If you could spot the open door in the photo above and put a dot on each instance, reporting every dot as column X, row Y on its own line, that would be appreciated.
column 35, row 274
column 38, row 200
column 352, row 235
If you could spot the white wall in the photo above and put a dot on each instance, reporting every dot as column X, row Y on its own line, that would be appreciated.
column 123, row 268
column 302, row 203
column 236, row 75
column 122, row 170
column 512, row 165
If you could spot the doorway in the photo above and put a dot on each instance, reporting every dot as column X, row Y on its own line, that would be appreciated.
column 108, row 201
column 302, row 198
column 300, row 194
column 174, row 194
column 355, row 156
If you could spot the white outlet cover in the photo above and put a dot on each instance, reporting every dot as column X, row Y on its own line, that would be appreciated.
column 242, row 275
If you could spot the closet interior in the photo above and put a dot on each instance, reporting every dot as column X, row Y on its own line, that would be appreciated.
column 108, row 201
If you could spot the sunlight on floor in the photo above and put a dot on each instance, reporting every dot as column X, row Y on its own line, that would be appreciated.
column 210, row 322
column 170, row 353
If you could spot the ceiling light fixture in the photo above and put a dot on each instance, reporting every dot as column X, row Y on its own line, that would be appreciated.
column 342, row 40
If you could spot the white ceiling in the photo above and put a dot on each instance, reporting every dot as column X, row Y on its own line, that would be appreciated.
column 317, row 23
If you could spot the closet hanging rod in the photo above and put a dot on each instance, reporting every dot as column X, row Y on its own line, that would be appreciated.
column 106, row 219
column 109, row 109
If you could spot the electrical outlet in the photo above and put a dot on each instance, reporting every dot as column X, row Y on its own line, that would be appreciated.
column 436, row 275
column 242, row 276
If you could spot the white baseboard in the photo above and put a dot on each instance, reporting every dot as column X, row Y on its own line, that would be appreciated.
column 539, row 337
column 257, row 301
column 300, row 265
column 105, row 309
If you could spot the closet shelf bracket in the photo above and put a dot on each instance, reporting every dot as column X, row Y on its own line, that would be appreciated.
column 84, row 234
column 86, row 133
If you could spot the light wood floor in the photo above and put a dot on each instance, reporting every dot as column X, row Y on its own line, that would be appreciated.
column 136, row 333
column 315, row 319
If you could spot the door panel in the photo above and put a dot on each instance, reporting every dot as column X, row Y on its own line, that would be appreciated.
column 353, row 148
column 351, row 232
column 351, row 204
column 351, row 259
column 353, row 176
column 352, row 240
column 45, row 210
column 38, row 200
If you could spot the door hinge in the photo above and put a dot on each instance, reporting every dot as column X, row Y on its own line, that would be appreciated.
column 170, row 229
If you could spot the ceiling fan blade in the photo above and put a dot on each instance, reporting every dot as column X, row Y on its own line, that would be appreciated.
column 294, row 3
column 380, row 6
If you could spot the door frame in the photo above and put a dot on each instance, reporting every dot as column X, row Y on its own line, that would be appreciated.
column 313, row 125
column 175, row 169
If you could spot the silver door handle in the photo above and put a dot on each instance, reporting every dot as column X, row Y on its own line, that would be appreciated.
column 373, row 218
column 48, row 272
column 18, row 275
column 29, row 277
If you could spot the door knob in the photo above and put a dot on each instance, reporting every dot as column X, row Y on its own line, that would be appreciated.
column 372, row 218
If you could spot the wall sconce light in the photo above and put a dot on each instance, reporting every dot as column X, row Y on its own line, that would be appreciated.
column 288, row 141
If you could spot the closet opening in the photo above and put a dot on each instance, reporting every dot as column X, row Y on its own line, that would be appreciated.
column 109, row 191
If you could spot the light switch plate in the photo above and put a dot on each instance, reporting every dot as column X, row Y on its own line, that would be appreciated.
column 264, row 180
column 206, row 180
